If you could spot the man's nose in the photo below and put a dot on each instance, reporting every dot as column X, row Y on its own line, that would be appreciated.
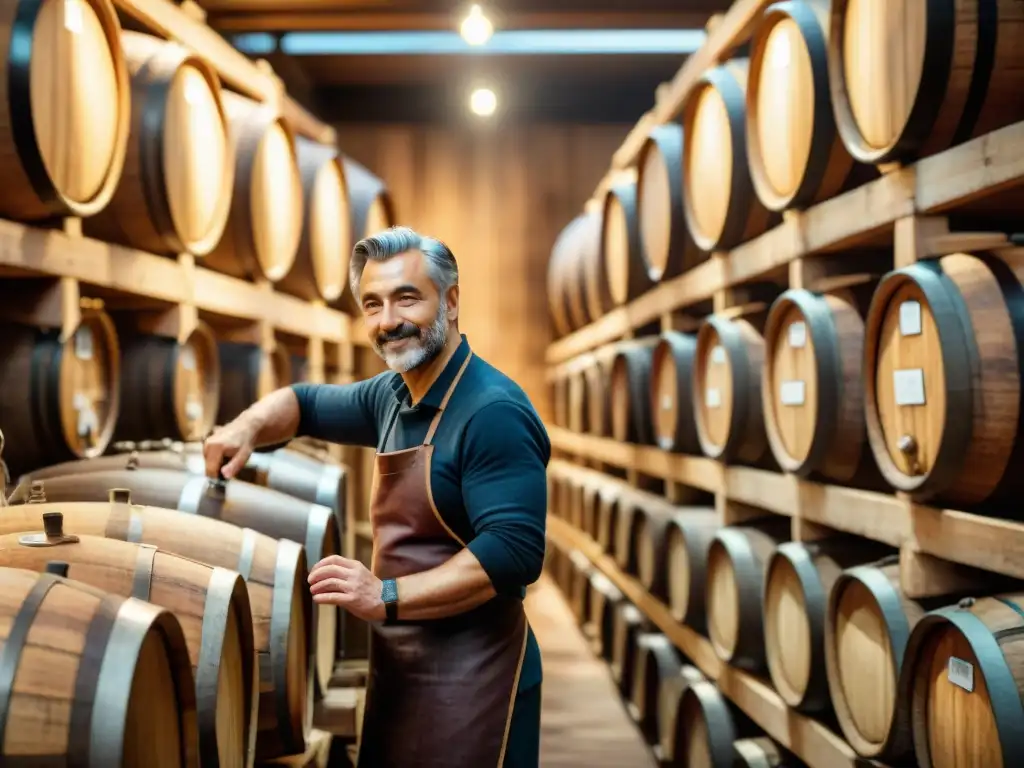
column 389, row 319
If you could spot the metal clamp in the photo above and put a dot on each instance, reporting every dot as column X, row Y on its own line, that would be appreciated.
column 36, row 493
column 53, row 533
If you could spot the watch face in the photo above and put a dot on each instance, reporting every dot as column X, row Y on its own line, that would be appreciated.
column 389, row 591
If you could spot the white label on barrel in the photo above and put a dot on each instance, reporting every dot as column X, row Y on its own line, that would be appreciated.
column 194, row 410
column 909, row 386
column 961, row 673
column 718, row 354
column 666, row 403
column 73, row 16
column 83, row 343
column 193, row 90
column 87, row 419
column 713, row 398
column 791, row 393
column 797, row 335
column 187, row 358
column 781, row 54
column 910, row 318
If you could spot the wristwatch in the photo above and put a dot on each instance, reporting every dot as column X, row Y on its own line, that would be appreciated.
column 389, row 594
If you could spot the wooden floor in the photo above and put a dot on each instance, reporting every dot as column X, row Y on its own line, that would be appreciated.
column 583, row 722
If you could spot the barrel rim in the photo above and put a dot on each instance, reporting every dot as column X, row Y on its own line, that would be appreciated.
column 731, row 340
column 323, row 155
column 626, row 194
column 668, row 140
column 712, row 705
column 823, row 133
column 738, row 553
column 670, row 343
column 953, row 322
column 289, row 567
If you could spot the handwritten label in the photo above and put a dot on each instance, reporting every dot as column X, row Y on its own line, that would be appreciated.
column 909, row 386
column 791, row 393
column 910, row 318
column 961, row 673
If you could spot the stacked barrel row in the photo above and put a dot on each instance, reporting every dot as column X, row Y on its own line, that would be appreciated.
column 155, row 617
column 928, row 682
column 909, row 382
column 823, row 94
column 140, row 138
column 71, row 397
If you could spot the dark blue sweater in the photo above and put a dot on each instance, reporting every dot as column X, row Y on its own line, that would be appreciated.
column 488, row 473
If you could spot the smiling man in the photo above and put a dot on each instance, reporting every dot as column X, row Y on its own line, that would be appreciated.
column 458, row 514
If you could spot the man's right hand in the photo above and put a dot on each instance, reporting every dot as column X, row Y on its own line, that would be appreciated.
column 235, row 441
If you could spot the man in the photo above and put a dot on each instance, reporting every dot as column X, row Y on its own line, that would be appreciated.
column 458, row 514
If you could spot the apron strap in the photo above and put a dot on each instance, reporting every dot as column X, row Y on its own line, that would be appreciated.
column 447, row 396
column 387, row 430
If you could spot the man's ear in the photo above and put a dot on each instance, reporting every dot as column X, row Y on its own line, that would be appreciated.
column 452, row 299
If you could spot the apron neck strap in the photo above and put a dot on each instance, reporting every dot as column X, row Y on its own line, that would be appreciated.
column 444, row 403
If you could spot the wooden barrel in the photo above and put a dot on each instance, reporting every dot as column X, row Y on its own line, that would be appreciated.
column 965, row 679
column 651, row 524
column 91, row 678
column 65, row 117
column 174, row 387
column 672, row 414
column 320, row 270
column 578, row 406
column 947, row 429
column 704, row 727
column 657, row 660
column 796, row 156
column 288, row 471
column 621, row 247
column 721, row 208
column 598, row 400
column 608, row 518
column 760, row 753
column 590, row 503
column 867, row 628
column 579, row 273
column 727, row 390
column 371, row 208
column 670, row 695
column 627, row 622
column 559, row 279
column 624, row 546
column 560, row 402
column 910, row 79
column 270, row 512
column 630, row 385
column 264, row 225
column 275, row 577
column 247, row 374
column 61, row 397
column 737, row 557
column 665, row 243
column 175, row 191
column 812, row 391
column 689, row 535
column 604, row 596
column 797, row 582
column 579, row 586
column 210, row 603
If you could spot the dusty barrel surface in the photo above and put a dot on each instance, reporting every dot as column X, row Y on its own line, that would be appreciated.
column 62, row 396
column 274, row 571
column 210, row 603
column 911, row 78
column 91, row 677
column 64, row 121
column 174, row 194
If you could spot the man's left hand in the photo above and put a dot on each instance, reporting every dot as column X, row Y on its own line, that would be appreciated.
column 349, row 584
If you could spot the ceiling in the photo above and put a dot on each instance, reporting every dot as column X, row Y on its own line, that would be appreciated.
column 427, row 71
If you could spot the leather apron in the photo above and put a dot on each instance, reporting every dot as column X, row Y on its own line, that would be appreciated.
column 440, row 693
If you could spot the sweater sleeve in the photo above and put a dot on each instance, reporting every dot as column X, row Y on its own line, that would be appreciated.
column 341, row 413
column 504, row 488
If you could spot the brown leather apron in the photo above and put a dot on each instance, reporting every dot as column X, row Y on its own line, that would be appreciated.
column 440, row 692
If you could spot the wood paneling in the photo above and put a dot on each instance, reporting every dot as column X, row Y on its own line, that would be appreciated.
column 497, row 194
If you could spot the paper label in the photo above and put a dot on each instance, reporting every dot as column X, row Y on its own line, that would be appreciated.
column 73, row 16
column 797, row 335
column 194, row 410
column 713, row 398
column 83, row 343
column 961, row 673
column 187, row 358
column 87, row 419
column 780, row 52
column 718, row 354
column 791, row 393
column 194, row 90
column 910, row 318
column 909, row 386
column 666, row 403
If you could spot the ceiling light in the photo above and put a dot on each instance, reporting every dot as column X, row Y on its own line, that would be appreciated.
column 476, row 28
column 483, row 102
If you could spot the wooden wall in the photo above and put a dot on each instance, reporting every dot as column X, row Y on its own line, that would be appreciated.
column 498, row 196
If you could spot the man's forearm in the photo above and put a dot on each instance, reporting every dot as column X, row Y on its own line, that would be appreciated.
column 275, row 417
column 449, row 589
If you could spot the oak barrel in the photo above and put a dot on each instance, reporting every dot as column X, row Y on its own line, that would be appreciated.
column 579, row 409
column 590, row 503
column 61, row 397
column 578, row 276
column 320, row 270
column 736, row 562
column 965, row 678
column 371, row 208
column 704, row 727
column 621, row 246
column 608, row 505
column 64, row 118
column 604, row 595
column 270, row 512
column 665, row 244
column 942, row 374
column 727, row 390
column 910, row 78
column 630, row 386
column 797, row 582
column 173, row 386
column 91, row 678
column 721, row 208
column 598, row 399
column 578, row 593
column 657, row 661
column 274, row 571
column 671, row 398
column 211, row 604
column 264, row 225
column 796, row 156
column 689, row 535
column 248, row 373
column 671, row 740
column 627, row 623
column 174, row 194
column 867, row 628
column 298, row 475
column 812, row 390
column 651, row 526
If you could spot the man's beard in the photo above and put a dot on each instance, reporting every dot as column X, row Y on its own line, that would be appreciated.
column 423, row 346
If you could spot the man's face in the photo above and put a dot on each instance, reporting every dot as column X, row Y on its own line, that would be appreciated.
column 405, row 316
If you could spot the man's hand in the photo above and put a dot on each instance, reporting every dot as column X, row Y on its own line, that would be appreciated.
column 236, row 441
column 349, row 584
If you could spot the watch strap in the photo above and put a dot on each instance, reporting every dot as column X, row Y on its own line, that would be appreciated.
column 389, row 595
